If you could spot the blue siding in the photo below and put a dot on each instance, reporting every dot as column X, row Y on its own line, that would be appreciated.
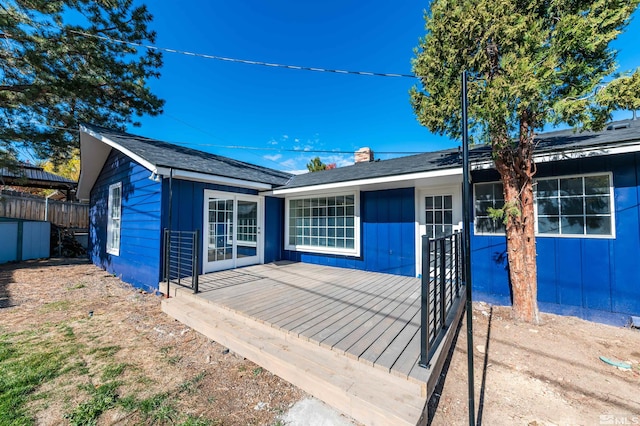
column 139, row 259
column 578, row 276
column 387, row 221
column 273, row 229
column 187, row 199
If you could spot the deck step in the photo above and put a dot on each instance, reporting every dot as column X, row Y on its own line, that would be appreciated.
column 370, row 396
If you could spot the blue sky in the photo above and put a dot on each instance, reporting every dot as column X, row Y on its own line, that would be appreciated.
column 285, row 114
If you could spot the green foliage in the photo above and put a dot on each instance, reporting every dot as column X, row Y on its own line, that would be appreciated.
column 530, row 63
column 112, row 371
column 505, row 212
column 316, row 165
column 53, row 77
column 102, row 399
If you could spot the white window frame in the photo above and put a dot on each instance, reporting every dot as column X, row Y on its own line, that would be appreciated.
column 612, row 235
column 475, row 217
column 111, row 249
column 355, row 251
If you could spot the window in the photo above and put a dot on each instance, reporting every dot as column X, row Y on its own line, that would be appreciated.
column 438, row 215
column 324, row 224
column 568, row 206
column 488, row 195
column 577, row 205
column 114, row 218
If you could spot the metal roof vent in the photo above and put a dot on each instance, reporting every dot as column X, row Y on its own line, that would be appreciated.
column 618, row 126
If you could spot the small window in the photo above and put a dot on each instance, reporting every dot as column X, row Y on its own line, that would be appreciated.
column 438, row 215
column 576, row 205
column 114, row 219
column 323, row 224
column 488, row 195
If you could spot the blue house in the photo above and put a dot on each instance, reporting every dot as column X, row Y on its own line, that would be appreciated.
column 371, row 215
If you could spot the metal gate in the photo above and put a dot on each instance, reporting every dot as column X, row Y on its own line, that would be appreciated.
column 180, row 259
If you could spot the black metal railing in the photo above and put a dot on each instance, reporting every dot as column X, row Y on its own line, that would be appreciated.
column 181, row 259
column 442, row 279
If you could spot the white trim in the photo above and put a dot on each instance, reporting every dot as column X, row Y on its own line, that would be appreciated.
column 371, row 181
column 204, row 177
column 113, row 250
column 611, row 236
column 572, row 154
column 149, row 166
column 326, row 250
column 234, row 262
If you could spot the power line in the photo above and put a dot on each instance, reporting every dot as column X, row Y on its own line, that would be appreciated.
column 243, row 61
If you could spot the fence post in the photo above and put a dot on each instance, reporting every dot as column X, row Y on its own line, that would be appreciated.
column 457, row 260
column 424, row 301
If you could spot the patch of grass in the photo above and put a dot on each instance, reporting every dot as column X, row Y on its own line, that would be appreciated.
column 60, row 305
column 198, row 421
column 23, row 368
column 67, row 331
column 77, row 286
column 105, row 351
column 102, row 399
column 191, row 385
column 112, row 371
column 257, row 371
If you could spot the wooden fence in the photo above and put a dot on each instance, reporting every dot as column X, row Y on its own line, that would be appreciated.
column 62, row 213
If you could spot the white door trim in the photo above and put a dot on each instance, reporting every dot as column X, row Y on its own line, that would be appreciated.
column 234, row 262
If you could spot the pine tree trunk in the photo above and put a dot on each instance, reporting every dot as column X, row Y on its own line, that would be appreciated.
column 515, row 168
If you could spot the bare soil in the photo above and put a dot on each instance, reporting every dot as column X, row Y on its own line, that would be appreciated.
column 549, row 374
column 524, row 375
column 161, row 355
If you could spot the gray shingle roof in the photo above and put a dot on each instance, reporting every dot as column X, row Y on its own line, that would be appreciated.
column 163, row 154
column 617, row 133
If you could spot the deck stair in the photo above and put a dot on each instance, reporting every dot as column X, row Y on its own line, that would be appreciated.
column 369, row 395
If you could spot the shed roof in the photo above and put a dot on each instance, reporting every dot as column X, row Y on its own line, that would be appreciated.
column 618, row 133
column 33, row 176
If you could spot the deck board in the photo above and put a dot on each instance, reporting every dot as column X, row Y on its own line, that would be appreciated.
column 368, row 316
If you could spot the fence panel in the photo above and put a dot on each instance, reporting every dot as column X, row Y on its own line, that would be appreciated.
column 181, row 259
column 61, row 213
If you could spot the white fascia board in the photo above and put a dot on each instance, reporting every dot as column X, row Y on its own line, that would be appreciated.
column 146, row 164
column 204, row 177
column 92, row 158
column 573, row 154
column 373, row 181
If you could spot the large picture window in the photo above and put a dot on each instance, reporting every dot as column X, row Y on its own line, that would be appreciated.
column 564, row 206
column 324, row 224
column 577, row 205
column 114, row 218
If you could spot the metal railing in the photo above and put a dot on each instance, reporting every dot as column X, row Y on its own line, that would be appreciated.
column 442, row 279
column 181, row 259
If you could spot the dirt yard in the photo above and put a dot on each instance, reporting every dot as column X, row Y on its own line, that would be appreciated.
column 542, row 375
column 115, row 359
column 114, row 337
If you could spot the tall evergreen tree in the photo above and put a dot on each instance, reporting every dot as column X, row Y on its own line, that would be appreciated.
column 61, row 64
column 531, row 62
column 316, row 165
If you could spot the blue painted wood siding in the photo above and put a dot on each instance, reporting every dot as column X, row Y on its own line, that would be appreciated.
column 187, row 200
column 387, row 221
column 586, row 273
column 140, row 236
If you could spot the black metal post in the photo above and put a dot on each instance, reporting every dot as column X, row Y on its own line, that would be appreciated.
column 424, row 302
column 466, row 213
column 443, row 284
column 195, row 261
column 456, row 240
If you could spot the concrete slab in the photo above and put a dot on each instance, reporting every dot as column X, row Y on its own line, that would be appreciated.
column 313, row 412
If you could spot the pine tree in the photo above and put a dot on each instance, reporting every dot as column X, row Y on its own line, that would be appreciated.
column 530, row 63
column 61, row 64
column 316, row 165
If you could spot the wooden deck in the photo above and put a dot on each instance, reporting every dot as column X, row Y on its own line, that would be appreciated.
column 365, row 324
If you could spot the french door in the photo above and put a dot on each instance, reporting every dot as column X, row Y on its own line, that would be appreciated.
column 232, row 232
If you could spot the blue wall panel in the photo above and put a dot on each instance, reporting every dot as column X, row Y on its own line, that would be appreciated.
column 588, row 274
column 273, row 229
column 387, row 237
column 139, row 260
